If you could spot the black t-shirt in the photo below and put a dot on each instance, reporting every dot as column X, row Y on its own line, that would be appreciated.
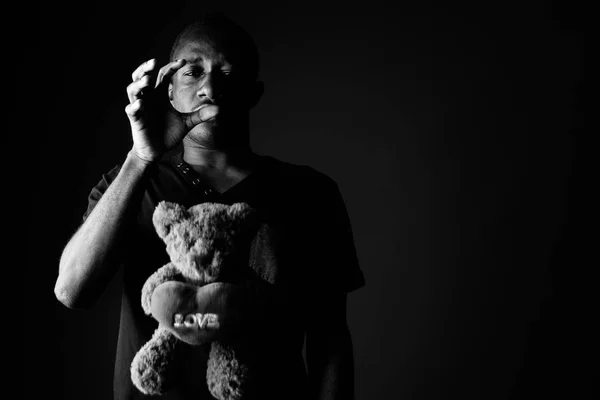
column 303, row 247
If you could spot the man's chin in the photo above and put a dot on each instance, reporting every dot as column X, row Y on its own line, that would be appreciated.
column 206, row 129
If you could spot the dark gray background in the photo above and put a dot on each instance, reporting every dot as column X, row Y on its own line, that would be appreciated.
column 452, row 130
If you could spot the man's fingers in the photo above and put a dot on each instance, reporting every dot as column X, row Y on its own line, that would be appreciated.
column 143, row 69
column 166, row 72
column 145, row 73
column 197, row 117
column 134, row 90
column 133, row 109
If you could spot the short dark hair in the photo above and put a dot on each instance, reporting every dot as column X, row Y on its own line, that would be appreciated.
column 226, row 33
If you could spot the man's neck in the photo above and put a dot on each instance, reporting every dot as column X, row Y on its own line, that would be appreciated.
column 220, row 169
column 218, row 162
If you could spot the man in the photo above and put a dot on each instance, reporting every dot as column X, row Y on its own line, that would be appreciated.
column 303, row 249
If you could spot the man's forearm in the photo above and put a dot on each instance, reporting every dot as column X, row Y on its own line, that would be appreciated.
column 88, row 261
column 331, row 365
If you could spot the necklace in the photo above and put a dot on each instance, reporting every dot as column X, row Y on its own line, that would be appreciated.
column 193, row 178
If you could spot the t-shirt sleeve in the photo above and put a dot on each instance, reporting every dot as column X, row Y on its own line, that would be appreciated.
column 98, row 190
column 335, row 248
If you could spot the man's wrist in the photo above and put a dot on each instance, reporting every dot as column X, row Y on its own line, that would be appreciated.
column 138, row 162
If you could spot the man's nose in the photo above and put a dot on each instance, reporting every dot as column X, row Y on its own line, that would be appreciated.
column 210, row 87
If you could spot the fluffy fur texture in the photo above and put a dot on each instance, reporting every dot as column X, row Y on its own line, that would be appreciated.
column 202, row 243
column 231, row 370
column 154, row 367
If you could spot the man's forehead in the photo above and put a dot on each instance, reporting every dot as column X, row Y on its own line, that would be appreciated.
column 198, row 49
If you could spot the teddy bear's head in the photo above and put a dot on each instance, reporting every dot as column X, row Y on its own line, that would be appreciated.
column 205, row 239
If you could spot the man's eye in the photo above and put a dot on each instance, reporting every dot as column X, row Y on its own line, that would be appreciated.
column 194, row 73
column 226, row 72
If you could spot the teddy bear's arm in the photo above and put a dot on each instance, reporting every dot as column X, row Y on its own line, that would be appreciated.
column 166, row 273
column 154, row 368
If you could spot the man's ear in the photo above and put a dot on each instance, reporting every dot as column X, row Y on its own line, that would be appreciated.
column 257, row 89
column 171, row 92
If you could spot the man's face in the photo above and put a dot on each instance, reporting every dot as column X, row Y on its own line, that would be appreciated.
column 209, row 77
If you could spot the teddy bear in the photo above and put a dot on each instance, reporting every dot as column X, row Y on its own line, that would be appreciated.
column 199, row 298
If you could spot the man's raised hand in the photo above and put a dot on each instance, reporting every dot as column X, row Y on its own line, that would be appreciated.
column 156, row 126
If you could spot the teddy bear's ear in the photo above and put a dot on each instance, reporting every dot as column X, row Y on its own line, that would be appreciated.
column 241, row 212
column 166, row 214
